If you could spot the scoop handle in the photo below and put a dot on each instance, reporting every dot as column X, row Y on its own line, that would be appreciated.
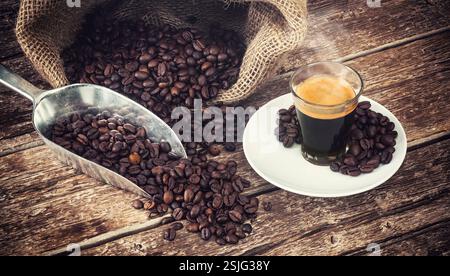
column 18, row 84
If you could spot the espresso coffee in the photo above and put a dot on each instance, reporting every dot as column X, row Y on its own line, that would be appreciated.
column 324, row 116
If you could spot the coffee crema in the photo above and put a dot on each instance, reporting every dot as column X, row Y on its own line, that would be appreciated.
column 326, row 92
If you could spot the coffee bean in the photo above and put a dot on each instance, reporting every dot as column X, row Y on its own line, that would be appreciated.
column 214, row 149
column 168, row 197
column 134, row 158
column 169, row 234
column 205, row 234
column 165, row 147
column 267, row 205
column 235, row 216
column 178, row 214
column 334, row 166
column 188, row 195
column 220, row 241
column 353, row 172
column 192, row 227
column 167, row 220
column 231, row 239
column 161, row 68
column 195, row 211
column 364, row 105
column 177, row 226
column 138, row 204
column 230, row 147
column 247, row 228
column 387, row 140
column 141, row 75
column 366, row 168
column 350, row 161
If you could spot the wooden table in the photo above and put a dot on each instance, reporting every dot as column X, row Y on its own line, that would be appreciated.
column 403, row 51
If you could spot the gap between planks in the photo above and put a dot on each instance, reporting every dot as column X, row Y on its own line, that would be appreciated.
column 350, row 57
column 397, row 239
column 266, row 188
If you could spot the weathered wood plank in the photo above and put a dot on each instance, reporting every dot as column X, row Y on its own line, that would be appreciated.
column 431, row 241
column 8, row 14
column 44, row 204
column 415, row 197
column 340, row 28
column 418, row 125
column 11, row 145
column 15, row 110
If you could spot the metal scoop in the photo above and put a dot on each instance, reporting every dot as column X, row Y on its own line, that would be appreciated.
column 49, row 105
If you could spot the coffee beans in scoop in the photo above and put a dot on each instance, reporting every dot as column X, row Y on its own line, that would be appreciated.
column 205, row 193
column 370, row 144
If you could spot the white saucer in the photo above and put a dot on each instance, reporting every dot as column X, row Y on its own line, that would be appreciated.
column 287, row 169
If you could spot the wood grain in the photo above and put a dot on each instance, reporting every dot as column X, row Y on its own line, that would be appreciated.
column 340, row 28
column 417, row 196
column 44, row 204
column 418, row 125
column 15, row 110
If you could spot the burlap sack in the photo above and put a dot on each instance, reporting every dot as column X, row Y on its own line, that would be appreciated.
column 270, row 28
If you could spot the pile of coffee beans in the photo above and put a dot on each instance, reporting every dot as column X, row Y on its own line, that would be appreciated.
column 206, row 193
column 371, row 141
column 288, row 130
column 160, row 68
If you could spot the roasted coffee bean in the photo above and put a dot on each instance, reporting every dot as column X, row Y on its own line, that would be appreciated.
column 165, row 147
column 386, row 157
column 195, row 211
column 138, row 204
column 350, row 161
column 169, row 234
column 149, row 205
column 214, row 149
column 247, row 228
column 366, row 168
column 134, row 158
column 178, row 214
column 220, row 241
column 230, row 146
column 335, row 166
column 205, row 234
column 177, row 226
column 387, row 140
column 371, row 140
column 167, row 220
column 235, row 216
column 188, row 195
column 168, row 197
column 192, row 227
column 267, row 205
column 353, row 171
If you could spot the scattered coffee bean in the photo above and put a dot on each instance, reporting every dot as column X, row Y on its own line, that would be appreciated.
column 214, row 150
column 138, row 204
column 267, row 205
column 177, row 226
column 169, row 234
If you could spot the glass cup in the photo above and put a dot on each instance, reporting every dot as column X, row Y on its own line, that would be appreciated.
column 325, row 96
